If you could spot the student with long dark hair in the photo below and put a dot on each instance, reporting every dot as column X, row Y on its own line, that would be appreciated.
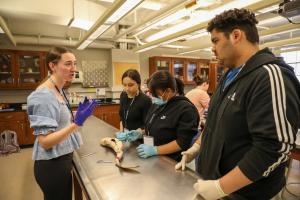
column 55, row 127
column 134, row 106
column 171, row 123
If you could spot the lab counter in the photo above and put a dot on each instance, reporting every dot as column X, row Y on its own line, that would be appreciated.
column 157, row 178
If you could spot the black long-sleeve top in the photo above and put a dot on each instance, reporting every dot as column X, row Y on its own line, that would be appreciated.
column 133, row 111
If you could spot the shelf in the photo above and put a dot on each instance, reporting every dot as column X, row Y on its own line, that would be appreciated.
column 5, row 72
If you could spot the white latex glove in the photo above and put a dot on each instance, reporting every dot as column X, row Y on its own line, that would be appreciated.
column 209, row 189
column 188, row 156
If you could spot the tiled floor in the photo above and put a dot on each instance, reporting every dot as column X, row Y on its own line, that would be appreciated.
column 17, row 181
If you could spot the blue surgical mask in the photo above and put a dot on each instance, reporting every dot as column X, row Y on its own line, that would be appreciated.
column 158, row 101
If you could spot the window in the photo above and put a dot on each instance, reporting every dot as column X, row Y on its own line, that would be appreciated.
column 293, row 59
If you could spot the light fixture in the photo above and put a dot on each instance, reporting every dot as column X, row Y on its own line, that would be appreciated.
column 146, row 49
column 151, row 5
column 202, row 24
column 278, row 33
column 199, row 17
column 268, row 9
column 170, row 18
column 117, row 10
column 175, row 46
column 270, row 20
column 81, row 23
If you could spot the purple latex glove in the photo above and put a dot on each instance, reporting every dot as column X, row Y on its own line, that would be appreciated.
column 84, row 110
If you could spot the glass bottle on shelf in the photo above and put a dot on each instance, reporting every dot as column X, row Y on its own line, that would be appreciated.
column 6, row 75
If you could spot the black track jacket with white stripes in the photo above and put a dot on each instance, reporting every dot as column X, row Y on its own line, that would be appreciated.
column 252, row 124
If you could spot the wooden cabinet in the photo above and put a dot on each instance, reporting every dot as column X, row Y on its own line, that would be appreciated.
column 182, row 68
column 159, row 63
column 18, row 122
column 109, row 114
column 14, row 121
column 21, row 69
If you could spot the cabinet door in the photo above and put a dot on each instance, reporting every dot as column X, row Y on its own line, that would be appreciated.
column 113, row 119
column 159, row 63
column 178, row 68
column 16, row 126
column 7, row 72
column 30, row 69
column 191, row 71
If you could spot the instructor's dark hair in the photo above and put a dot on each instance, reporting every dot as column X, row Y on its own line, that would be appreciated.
column 134, row 75
column 232, row 19
column 161, row 80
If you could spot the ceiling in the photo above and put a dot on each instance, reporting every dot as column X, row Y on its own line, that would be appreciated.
column 177, row 26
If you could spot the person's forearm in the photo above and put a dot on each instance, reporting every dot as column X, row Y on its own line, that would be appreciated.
column 233, row 181
column 48, row 141
column 169, row 148
column 198, row 141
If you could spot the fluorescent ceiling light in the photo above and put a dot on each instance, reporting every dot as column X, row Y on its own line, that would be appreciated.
column 268, row 9
column 200, row 16
column 270, row 20
column 288, row 48
column 119, row 9
column 151, row 5
column 278, row 33
column 84, row 44
column 123, row 10
column 175, row 46
column 205, row 3
column 146, row 49
column 198, row 35
column 100, row 30
column 82, row 24
column 1, row 30
column 170, row 18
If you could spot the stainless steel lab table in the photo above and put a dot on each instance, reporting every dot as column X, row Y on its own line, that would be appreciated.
column 157, row 178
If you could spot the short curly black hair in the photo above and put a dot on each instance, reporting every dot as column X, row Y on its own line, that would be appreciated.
column 229, row 20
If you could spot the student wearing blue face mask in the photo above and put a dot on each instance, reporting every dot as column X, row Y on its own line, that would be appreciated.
column 171, row 122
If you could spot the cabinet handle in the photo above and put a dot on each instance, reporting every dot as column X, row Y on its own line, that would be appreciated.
column 18, row 81
column 8, row 117
column 13, row 79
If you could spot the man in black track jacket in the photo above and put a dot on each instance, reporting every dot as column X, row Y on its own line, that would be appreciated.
column 253, row 116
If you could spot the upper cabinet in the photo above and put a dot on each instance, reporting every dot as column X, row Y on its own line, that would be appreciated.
column 182, row 68
column 21, row 69
column 159, row 63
